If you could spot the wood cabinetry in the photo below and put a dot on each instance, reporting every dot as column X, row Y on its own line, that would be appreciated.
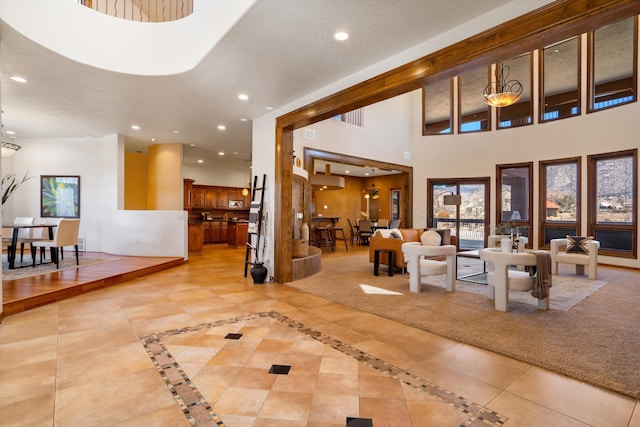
column 223, row 198
column 214, row 231
column 187, row 193
column 195, row 237
column 210, row 198
column 237, row 233
column 197, row 197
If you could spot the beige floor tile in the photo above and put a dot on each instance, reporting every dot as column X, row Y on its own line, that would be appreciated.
column 339, row 365
column 296, row 381
column 286, row 405
column 253, row 378
column 93, row 340
column 369, row 324
column 380, row 349
column 170, row 416
column 237, row 421
column 37, row 411
column 342, row 384
column 117, row 399
column 97, row 366
column 385, row 412
column 240, row 401
column 12, row 331
column 303, row 362
column 430, row 413
column 196, row 355
column 382, row 387
column 490, row 368
column 522, row 412
column 635, row 418
column 19, row 353
column 266, row 422
column 455, row 381
column 589, row 404
column 29, row 382
column 218, row 375
column 149, row 326
column 333, row 408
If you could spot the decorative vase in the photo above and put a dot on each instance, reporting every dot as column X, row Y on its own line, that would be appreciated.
column 259, row 273
column 304, row 231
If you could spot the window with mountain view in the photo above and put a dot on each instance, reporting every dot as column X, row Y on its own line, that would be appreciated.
column 559, row 199
column 613, row 201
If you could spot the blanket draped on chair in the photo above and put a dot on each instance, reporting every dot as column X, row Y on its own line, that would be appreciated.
column 542, row 280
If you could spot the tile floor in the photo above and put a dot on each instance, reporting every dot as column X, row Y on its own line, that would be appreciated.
column 194, row 346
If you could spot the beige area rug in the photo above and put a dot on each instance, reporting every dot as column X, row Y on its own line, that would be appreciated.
column 593, row 337
column 26, row 270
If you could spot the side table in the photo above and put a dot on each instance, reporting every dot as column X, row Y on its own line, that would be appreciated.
column 376, row 260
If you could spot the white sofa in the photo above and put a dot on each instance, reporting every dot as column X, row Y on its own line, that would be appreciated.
column 420, row 266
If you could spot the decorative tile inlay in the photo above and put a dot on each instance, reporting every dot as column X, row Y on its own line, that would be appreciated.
column 233, row 336
column 359, row 422
column 198, row 411
column 280, row 369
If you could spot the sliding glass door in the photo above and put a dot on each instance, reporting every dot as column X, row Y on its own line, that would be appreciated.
column 466, row 215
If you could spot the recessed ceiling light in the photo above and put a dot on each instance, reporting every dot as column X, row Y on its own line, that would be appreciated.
column 347, row 171
column 200, row 161
column 176, row 131
column 135, row 127
column 268, row 108
column 221, row 127
column 10, row 132
column 192, row 145
column 235, row 153
column 18, row 79
column 152, row 140
column 243, row 96
column 244, row 119
column 220, row 153
column 341, row 36
column 366, row 174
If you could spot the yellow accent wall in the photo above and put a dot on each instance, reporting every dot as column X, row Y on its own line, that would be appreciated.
column 135, row 181
column 164, row 180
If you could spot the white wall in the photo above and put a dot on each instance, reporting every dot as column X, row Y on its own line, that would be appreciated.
column 99, row 163
column 386, row 130
column 215, row 175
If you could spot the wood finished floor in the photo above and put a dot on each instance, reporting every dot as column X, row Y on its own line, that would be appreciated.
column 24, row 294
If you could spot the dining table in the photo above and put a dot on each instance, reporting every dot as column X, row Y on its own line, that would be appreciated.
column 11, row 251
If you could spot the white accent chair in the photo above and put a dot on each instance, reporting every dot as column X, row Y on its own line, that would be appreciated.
column 65, row 234
column 420, row 266
column 502, row 278
column 558, row 254
column 494, row 241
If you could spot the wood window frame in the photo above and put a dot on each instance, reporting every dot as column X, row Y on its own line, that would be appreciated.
column 521, row 223
column 542, row 185
column 541, row 94
column 593, row 227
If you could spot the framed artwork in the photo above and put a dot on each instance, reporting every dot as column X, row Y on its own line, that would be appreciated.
column 59, row 196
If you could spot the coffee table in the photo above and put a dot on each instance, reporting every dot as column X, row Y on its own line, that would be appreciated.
column 476, row 277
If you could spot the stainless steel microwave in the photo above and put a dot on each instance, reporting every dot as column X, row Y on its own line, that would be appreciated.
column 235, row 203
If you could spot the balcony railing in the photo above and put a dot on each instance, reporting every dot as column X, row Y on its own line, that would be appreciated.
column 142, row 10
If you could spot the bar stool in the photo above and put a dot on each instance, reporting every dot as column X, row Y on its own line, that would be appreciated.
column 325, row 238
column 339, row 235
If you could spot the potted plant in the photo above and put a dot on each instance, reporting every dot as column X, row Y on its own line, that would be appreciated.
column 10, row 183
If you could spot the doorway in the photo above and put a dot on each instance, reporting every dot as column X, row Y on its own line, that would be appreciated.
column 466, row 213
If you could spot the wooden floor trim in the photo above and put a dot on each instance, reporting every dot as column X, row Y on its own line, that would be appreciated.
column 31, row 292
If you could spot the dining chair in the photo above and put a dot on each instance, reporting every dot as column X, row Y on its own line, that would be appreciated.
column 353, row 236
column 65, row 234
column 24, row 233
column 364, row 231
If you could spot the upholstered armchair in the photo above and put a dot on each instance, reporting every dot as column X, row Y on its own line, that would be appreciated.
column 494, row 241
column 584, row 253
column 501, row 278
column 420, row 264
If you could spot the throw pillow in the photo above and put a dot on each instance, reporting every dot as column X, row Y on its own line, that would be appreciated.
column 395, row 234
column 445, row 234
column 578, row 244
column 430, row 238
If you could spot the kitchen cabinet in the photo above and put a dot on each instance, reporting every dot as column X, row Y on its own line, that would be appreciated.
column 187, row 193
column 223, row 199
column 197, row 197
column 237, row 233
column 195, row 237
column 214, row 231
column 210, row 198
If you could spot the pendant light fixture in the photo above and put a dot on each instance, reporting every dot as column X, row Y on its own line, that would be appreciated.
column 503, row 92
